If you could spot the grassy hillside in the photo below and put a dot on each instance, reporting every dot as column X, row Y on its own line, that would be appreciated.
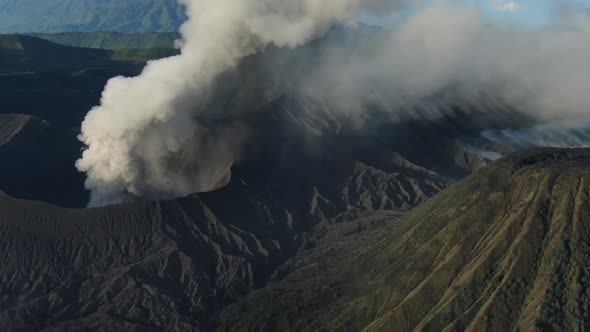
column 26, row 16
column 172, row 265
column 142, row 54
column 505, row 249
column 112, row 40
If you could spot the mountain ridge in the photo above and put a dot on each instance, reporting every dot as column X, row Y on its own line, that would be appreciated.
column 462, row 260
column 506, row 248
column 112, row 40
column 35, row 16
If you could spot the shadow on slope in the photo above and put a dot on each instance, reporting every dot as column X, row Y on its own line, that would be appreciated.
column 38, row 162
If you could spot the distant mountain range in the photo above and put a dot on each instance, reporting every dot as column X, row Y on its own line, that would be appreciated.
column 26, row 16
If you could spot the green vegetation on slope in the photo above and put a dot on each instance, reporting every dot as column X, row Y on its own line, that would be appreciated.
column 38, row 157
column 112, row 40
column 505, row 249
column 142, row 54
column 19, row 52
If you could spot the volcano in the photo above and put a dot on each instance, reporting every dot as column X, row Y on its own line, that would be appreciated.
column 504, row 248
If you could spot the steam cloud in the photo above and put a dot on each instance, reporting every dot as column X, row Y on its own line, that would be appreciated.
column 145, row 139
column 143, row 121
column 542, row 71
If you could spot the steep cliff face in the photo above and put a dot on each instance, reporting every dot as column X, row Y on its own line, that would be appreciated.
column 505, row 248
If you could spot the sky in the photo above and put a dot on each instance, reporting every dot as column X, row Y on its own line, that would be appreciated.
column 525, row 12
column 528, row 12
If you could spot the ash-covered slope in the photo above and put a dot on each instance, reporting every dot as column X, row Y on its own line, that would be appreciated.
column 506, row 248
column 173, row 265
column 37, row 161
column 144, row 266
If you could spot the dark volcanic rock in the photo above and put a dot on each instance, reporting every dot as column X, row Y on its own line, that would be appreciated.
column 173, row 265
column 142, row 266
column 37, row 162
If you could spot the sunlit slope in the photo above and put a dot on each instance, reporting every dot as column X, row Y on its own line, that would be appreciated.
column 507, row 248
column 20, row 52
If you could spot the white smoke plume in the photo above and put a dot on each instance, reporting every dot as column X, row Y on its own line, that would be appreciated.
column 147, row 124
column 450, row 47
column 449, row 54
column 144, row 121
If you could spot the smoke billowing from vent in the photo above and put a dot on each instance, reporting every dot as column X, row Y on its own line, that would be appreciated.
column 145, row 140
column 145, row 121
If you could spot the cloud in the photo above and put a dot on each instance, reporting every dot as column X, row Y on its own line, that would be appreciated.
column 506, row 6
column 510, row 7
column 420, row 66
